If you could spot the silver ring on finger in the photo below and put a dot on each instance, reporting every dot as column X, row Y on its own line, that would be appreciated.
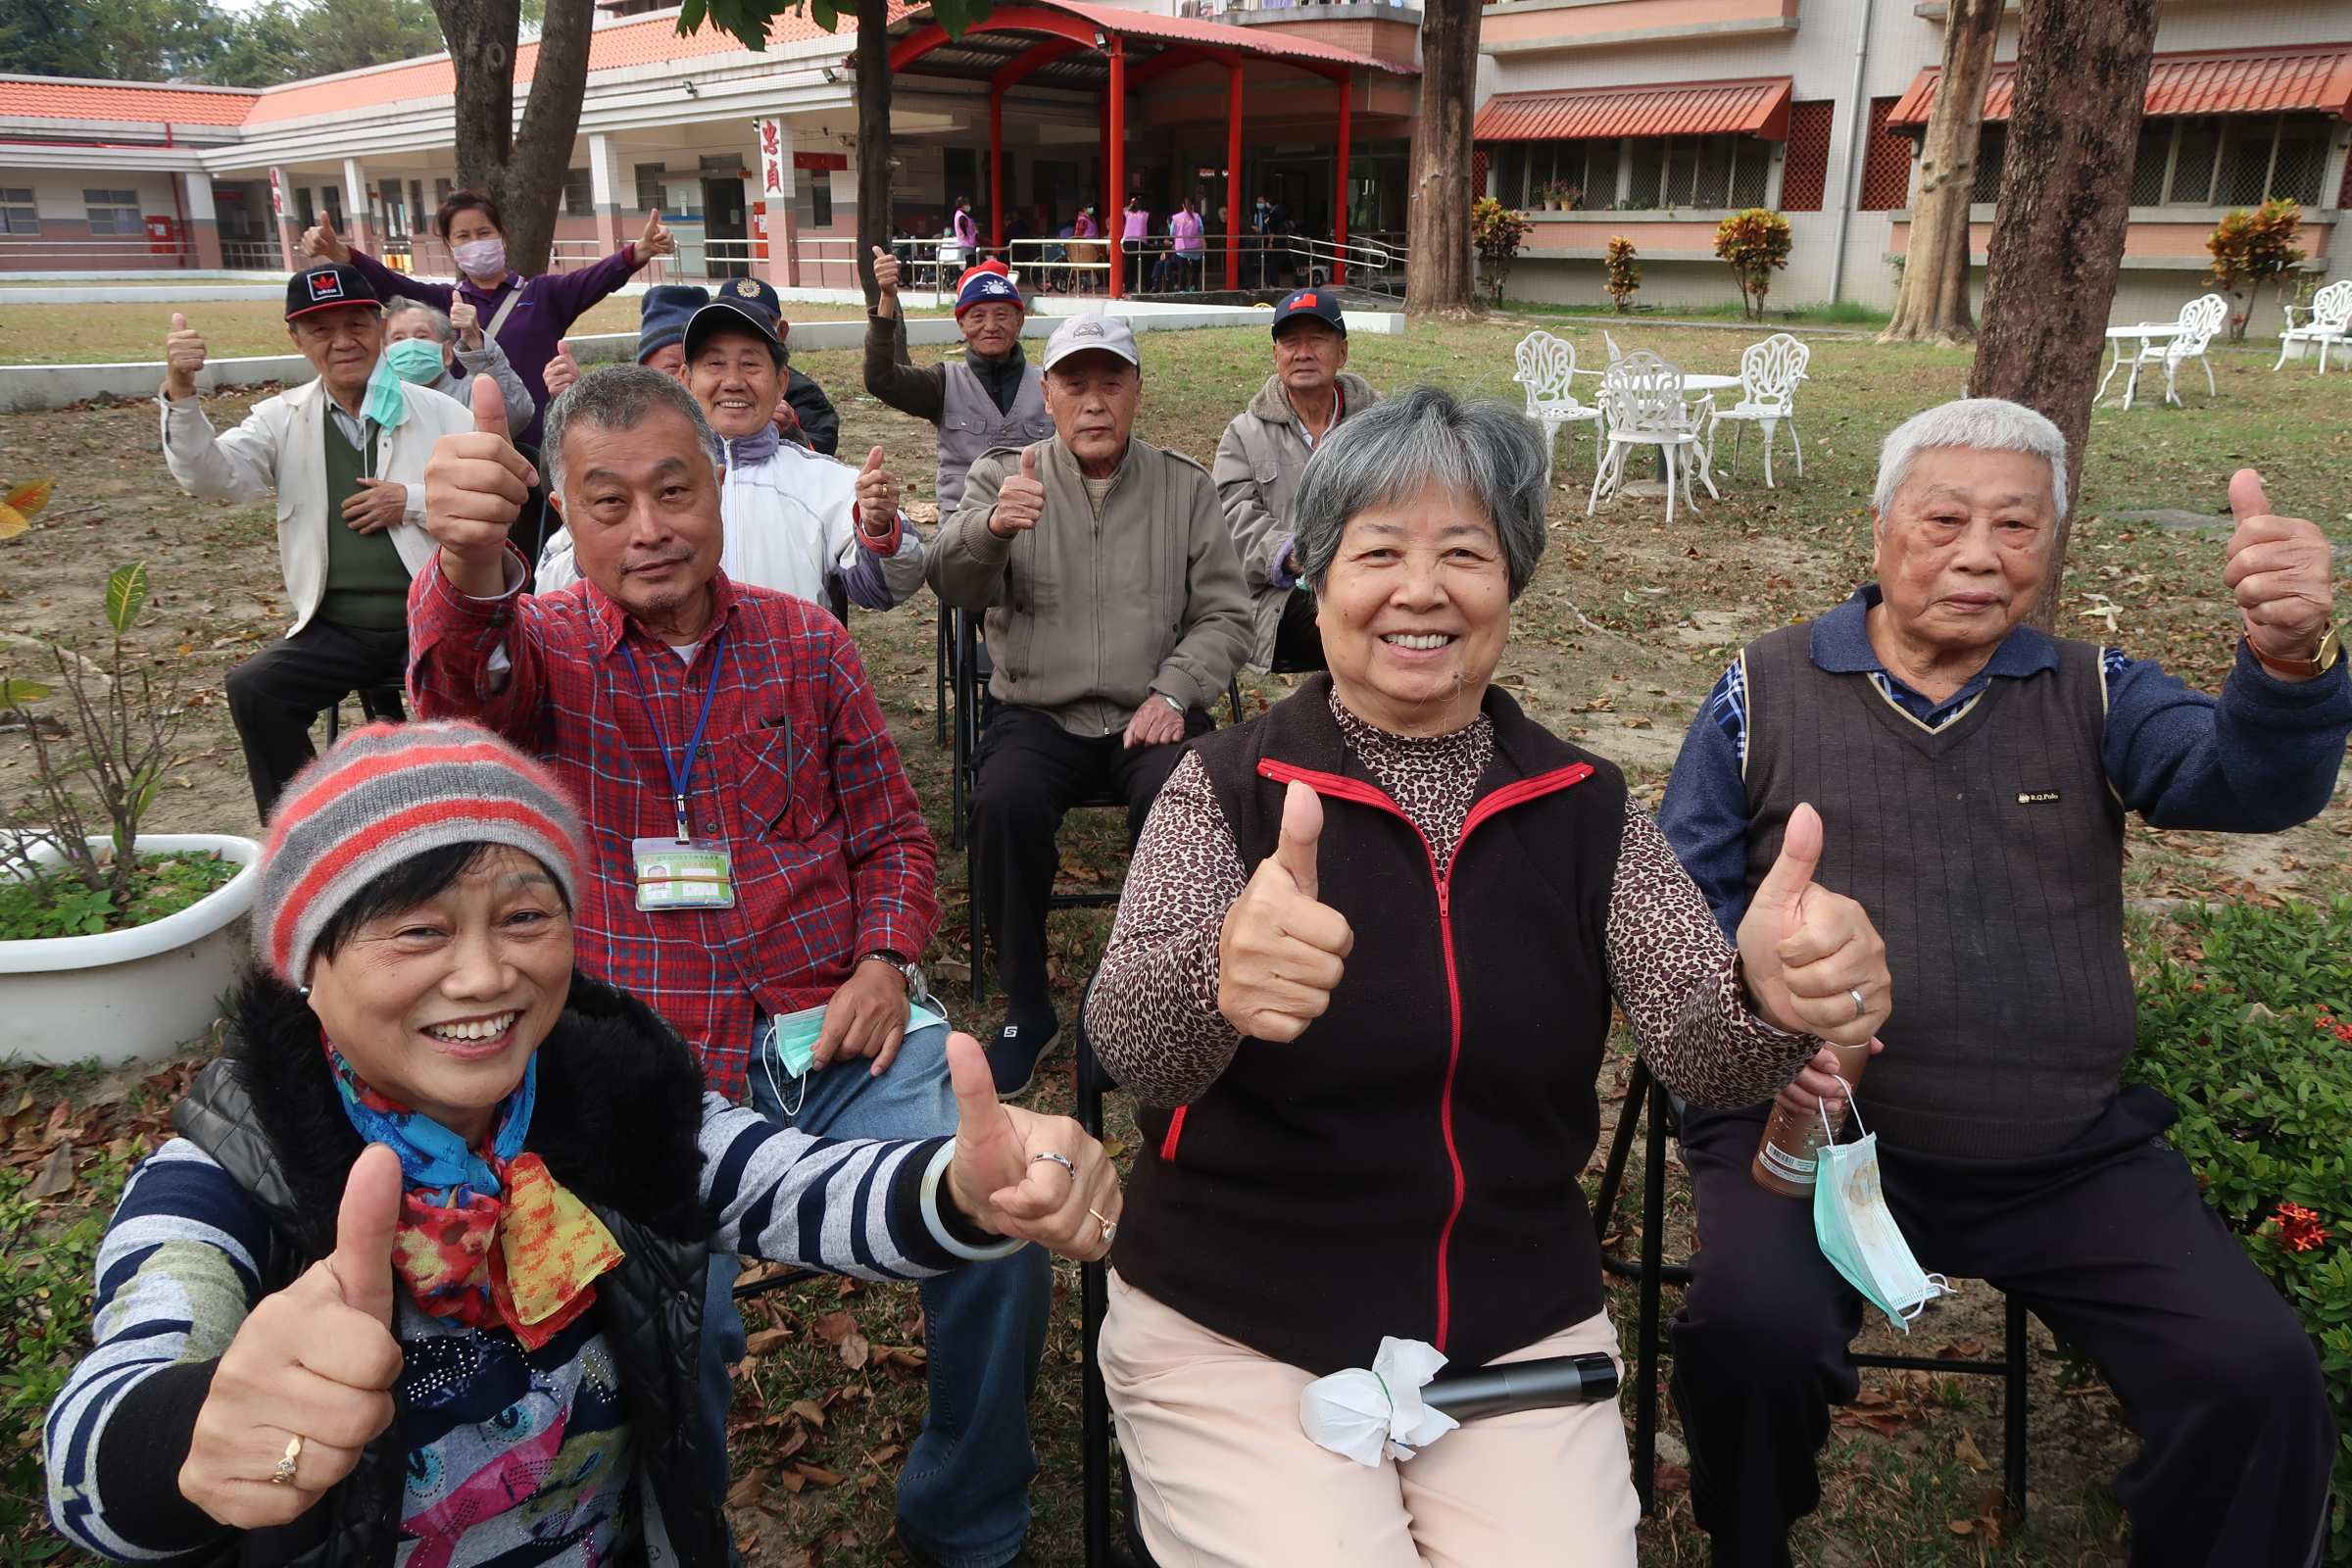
column 282, row 1474
column 1860, row 1007
column 1110, row 1227
column 1064, row 1160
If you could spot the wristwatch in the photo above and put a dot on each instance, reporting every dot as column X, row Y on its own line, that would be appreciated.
column 911, row 972
column 2331, row 649
column 1171, row 702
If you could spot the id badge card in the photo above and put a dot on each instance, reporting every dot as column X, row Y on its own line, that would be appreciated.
column 682, row 874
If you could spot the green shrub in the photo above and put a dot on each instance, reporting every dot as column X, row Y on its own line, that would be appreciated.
column 2247, row 1033
column 1621, row 272
column 1754, row 242
column 1497, row 232
column 2252, row 249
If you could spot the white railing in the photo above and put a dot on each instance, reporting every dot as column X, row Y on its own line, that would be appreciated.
column 31, row 253
column 251, row 256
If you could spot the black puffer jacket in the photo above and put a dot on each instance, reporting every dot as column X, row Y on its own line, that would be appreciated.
column 619, row 1103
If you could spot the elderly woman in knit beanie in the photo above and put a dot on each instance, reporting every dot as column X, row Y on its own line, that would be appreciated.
column 423, row 1269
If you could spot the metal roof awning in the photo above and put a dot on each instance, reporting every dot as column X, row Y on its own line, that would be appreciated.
column 2298, row 78
column 1754, row 106
column 1006, row 46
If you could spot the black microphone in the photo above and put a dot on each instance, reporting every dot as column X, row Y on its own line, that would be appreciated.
column 1524, row 1386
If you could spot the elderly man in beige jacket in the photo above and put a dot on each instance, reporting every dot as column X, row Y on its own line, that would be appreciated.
column 1262, row 453
column 1116, row 612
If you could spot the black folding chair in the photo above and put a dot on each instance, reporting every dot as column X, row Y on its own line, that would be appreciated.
column 1647, row 1106
column 1094, row 1300
column 378, row 705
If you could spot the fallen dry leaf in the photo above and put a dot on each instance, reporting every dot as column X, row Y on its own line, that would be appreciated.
column 1969, row 1454
column 57, row 1175
column 809, row 1412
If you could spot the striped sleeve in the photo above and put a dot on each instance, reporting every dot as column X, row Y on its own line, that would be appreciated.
column 181, row 1265
column 867, row 1207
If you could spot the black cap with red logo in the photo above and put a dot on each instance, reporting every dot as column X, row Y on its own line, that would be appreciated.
column 1318, row 304
column 328, row 286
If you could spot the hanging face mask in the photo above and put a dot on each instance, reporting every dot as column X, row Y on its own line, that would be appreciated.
column 1858, row 1233
column 481, row 258
column 386, row 404
column 417, row 361
column 791, row 1047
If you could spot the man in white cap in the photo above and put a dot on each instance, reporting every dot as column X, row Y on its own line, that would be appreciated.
column 1115, row 608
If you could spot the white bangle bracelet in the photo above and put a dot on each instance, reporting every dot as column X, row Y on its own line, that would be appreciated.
column 934, row 1196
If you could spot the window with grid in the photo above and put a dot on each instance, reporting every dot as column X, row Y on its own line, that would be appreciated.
column 1805, row 161
column 648, row 185
column 1886, row 162
column 303, row 212
column 2233, row 160
column 114, row 211
column 1992, row 150
column 18, row 214
column 580, row 195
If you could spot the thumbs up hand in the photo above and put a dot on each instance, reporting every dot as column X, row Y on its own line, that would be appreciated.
column 886, row 272
column 322, row 243
column 1001, row 1180
column 1281, row 954
column 561, row 371
column 183, row 357
column 1808, row 952
column 1020, row 500
column 467, row 323
column 877, row 498
column 2278, row 571
column 316, row 1361
column 475, row 486
column 656, row 240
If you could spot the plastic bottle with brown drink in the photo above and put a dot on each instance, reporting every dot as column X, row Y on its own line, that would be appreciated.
column 1787, row 1158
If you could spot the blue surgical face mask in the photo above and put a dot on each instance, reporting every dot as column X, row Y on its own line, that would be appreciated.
column 417, row 361
column 791, row 1047
column 387, row 405
column 1858, row 1233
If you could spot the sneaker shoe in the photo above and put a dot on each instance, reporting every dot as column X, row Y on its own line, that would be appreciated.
column 1013, row 1055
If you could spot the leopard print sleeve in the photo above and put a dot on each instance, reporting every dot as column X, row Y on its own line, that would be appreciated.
column 1679, row 982
column 1153, row 1014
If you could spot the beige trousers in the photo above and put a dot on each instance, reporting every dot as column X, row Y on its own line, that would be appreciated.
column 1224, row 1478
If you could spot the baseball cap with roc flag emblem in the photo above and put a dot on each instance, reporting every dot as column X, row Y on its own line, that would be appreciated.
column 989, row 280
column 1310, row 304
column 328, row 286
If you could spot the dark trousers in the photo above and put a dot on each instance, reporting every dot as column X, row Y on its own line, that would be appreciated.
column 276, row 695
column 2107, row 1242
column 1298, row 639
column 1031, row 772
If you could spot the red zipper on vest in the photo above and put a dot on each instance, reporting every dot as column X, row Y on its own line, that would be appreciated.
column 1365, row 794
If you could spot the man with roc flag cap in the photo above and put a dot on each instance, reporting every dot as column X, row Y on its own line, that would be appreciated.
column 990, row 397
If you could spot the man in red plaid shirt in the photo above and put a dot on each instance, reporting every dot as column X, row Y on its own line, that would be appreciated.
column 755, row 852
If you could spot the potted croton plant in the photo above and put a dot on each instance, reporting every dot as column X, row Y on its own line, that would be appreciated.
column 114, row 944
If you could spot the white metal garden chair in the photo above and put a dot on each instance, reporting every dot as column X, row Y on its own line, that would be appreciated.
column 2198, row 321
column 1768, row 375
column 1548, row 370
column 1642, row 405
column 2330, row 323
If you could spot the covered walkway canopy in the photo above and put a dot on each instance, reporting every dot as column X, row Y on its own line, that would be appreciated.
column 1108, row 49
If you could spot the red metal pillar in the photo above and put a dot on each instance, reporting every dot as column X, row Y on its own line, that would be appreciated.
column 996, row 170
column 1338, row 262
column 1232, row 176
column 1114, row 206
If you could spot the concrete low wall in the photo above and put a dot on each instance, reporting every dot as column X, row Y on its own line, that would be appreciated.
column 27, row 387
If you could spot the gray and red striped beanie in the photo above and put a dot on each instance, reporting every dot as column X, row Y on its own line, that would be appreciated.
column 385, row 794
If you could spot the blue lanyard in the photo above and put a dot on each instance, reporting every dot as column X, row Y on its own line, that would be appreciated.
column 680, row 774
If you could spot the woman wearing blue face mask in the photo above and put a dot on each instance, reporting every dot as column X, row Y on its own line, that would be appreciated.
column 426, row 348
column 527, row 317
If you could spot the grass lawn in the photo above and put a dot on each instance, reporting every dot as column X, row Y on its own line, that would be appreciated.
column 1628, row 622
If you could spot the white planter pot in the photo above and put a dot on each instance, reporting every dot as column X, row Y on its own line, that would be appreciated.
column 130, row 996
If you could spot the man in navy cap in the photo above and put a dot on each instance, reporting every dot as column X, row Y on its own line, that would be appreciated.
column 803, row 413
column 344, row 455
column 1261, row 455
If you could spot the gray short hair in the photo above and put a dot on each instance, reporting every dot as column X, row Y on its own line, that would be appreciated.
column 618, row 397
column 1392, row 450
column 1989, row 425
column 438, row 321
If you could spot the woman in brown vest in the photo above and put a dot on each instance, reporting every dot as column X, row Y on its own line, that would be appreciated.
column 1361, row 982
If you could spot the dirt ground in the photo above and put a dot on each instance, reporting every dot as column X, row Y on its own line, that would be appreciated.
column 1627, row 624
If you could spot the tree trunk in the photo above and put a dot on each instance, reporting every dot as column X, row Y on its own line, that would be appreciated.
column 2058, row 236
column 522, row 169
column 874, row 158
column 1438, row 217
column 1933, row 302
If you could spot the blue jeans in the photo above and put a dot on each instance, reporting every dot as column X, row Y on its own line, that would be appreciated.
column 963, row 1495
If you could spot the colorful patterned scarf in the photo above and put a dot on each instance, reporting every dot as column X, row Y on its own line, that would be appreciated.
column 457, row 1201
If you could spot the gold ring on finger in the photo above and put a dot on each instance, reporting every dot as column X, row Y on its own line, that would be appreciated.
column 282, row 1474
column 1110, row 1227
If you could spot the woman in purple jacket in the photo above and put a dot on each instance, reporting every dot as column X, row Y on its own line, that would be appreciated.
column 527, row 315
